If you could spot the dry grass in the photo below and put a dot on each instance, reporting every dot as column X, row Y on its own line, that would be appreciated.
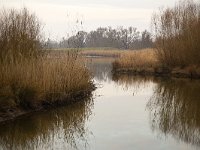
column 102, row 53
column 28, row 77
column 146, row 62
column 139, row 59
column 177, row 34
column 31, row 82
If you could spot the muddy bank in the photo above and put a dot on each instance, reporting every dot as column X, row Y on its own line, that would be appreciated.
column 68, row 99
column 161, row 71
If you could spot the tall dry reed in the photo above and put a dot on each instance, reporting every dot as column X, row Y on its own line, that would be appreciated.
column 31, row 82
column 137, row 59
column 28, row 77
column 177, row 34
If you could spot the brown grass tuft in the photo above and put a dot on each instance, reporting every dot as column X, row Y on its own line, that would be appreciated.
column 140, row 59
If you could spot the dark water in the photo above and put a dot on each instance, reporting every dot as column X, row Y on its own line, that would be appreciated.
column 125, row 112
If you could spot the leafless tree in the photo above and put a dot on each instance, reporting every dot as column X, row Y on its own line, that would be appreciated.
column 20, row 34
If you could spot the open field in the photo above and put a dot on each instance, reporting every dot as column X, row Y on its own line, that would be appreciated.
column 102, row 53
column 114, row 52
column 98, row 52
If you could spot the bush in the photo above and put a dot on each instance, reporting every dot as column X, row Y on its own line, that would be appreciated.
column 177, row 34
column 20, row 34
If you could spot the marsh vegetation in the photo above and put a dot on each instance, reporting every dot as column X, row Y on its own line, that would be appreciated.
column 30, row 77
column 177, row 33
column 160, row 110
column 176, row 40
column 125, row 109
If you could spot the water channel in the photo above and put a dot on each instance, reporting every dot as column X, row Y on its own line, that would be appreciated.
column 124, row 113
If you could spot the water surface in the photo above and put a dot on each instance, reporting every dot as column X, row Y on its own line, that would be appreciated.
column 125, row 112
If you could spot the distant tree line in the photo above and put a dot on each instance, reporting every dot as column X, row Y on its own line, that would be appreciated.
column 122, row 38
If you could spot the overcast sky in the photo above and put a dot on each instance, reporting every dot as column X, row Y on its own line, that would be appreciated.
column 59, row 16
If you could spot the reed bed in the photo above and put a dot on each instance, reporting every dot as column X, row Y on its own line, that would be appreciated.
column 177, row 48
column 147, row 62
column 30, row 76
column 30, row 83
column 102, row 53
column 177, row 34
column 137, row 59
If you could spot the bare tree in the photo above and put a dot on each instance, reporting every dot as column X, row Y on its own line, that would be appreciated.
column 20, row 34
column 122, row 38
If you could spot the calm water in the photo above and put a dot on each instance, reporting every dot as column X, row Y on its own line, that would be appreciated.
column 125, row 112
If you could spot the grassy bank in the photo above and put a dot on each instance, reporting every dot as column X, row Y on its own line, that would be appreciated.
column 146, row 62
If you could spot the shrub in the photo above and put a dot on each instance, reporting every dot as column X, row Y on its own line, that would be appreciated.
column 20, row 34
column 177, row 34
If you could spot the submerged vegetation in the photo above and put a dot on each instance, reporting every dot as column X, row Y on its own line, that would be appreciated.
column 31, row 78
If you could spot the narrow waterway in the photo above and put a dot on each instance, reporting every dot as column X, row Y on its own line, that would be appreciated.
column 125, row 112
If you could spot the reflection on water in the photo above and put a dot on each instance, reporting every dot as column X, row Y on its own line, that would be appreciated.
column 174, row 107
column 136, row 83
column 101, row 68
column 62, row 128
column 133, row 112
column 175, row 110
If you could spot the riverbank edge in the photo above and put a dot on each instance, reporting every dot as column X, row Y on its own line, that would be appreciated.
column 159, row 72
column 69, row 99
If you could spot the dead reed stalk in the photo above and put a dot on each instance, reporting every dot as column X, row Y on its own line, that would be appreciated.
column 177, row 34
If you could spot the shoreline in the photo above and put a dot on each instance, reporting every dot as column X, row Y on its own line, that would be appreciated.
column 158, row 72
column 69, row 99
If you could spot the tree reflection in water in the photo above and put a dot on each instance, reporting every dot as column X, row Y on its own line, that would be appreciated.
column 175, row 110
column 174, row 107
column 61, row 128
column 135, row 83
